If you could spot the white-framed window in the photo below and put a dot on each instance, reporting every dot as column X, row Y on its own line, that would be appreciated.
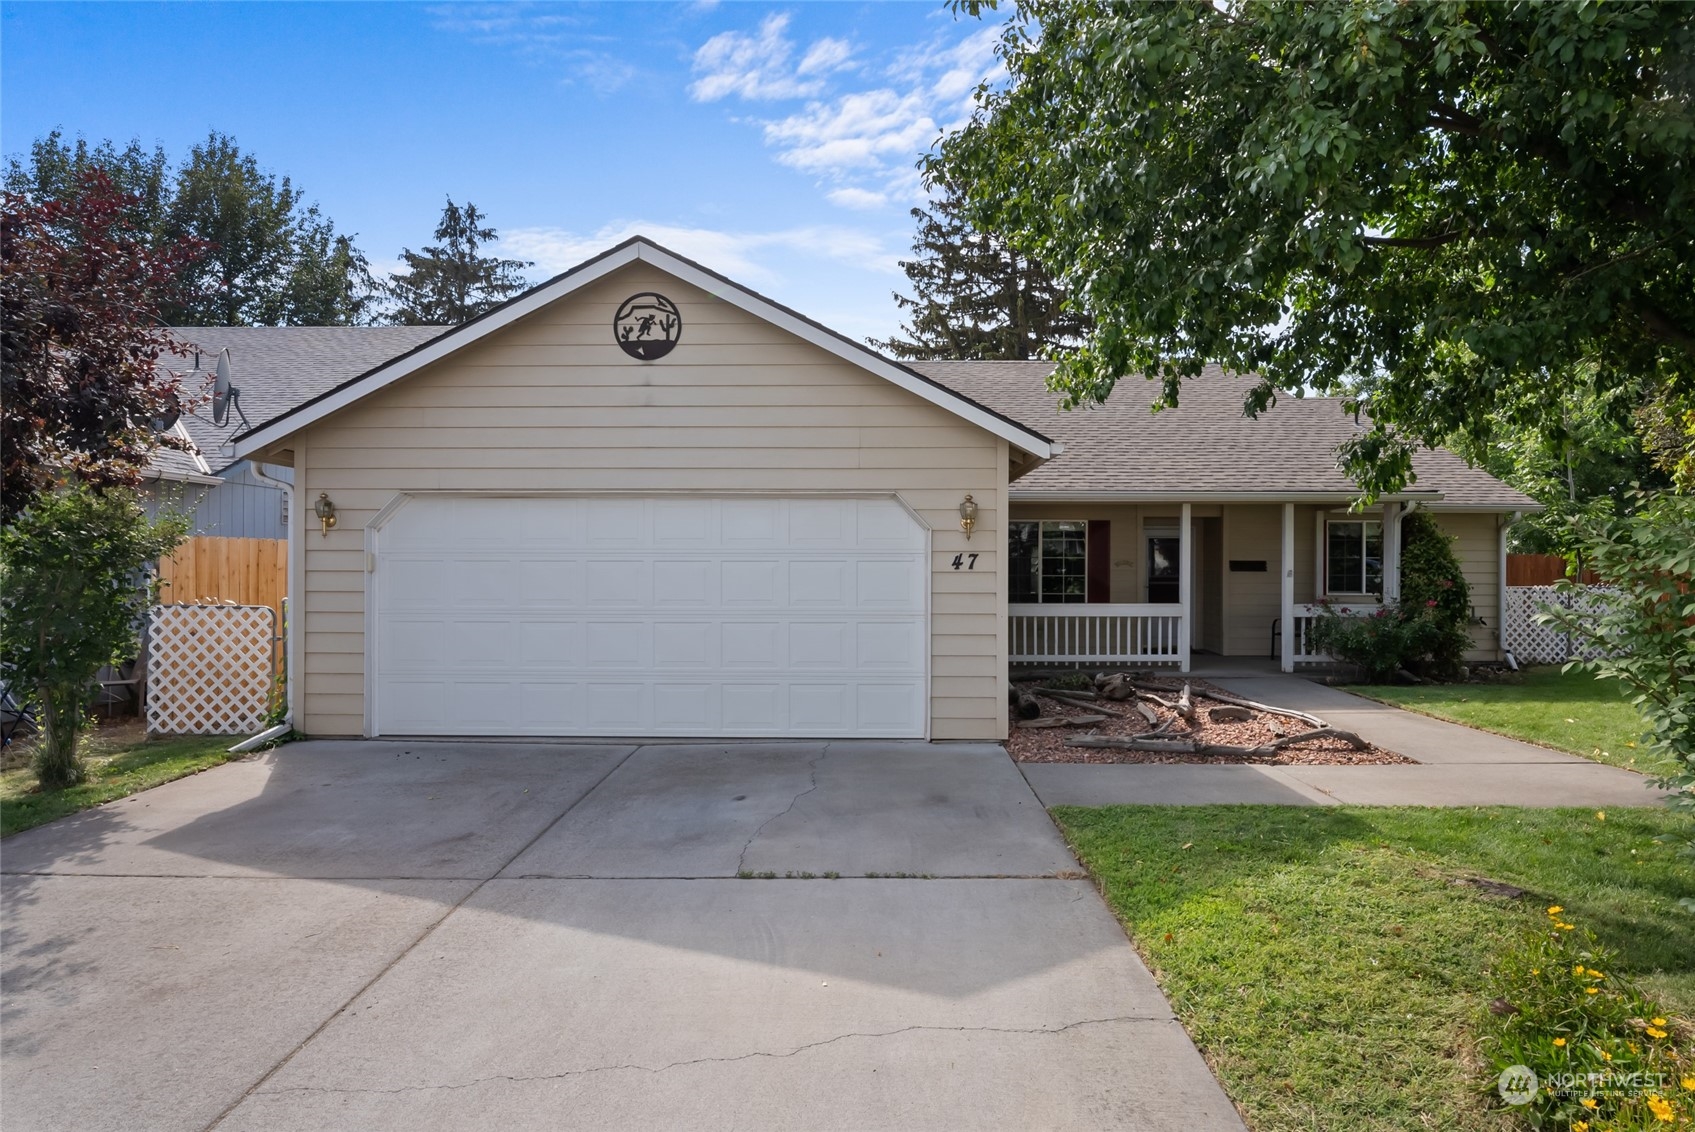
column 1048, row 561
column 1353, row 557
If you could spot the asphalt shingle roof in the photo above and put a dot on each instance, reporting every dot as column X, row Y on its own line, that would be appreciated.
column 276, row 368
column 1204, row 446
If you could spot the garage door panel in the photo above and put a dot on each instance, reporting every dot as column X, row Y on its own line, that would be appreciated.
column 752, row 644
column 755, row 583
column 665, row 616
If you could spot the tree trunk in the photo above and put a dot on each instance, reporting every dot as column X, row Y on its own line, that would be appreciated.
column 56, row 763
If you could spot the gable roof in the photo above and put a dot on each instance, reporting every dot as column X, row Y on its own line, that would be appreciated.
column 638, row 248
column 1205, row 448
column 276, row 368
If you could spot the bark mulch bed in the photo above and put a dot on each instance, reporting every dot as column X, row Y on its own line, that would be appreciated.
column 1259, row 730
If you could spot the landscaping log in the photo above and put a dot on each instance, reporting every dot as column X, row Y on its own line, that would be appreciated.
column 1062, row 721
column 1148, row 714
column 1168, row 746
column 1347, row 737
column 1230, row 713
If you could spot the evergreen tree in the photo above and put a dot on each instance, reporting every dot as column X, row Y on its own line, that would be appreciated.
column 450, row 282
column 974, row 296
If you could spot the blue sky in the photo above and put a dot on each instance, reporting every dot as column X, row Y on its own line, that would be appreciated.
column 774, row 143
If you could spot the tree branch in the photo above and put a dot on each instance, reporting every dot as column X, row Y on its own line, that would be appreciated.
column 1425, row 242
column 1662, row 326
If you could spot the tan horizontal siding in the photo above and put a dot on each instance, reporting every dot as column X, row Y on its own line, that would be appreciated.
column 551, row 404
column 1477, row 546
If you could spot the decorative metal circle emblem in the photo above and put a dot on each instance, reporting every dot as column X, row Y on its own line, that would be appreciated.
column 647, row 326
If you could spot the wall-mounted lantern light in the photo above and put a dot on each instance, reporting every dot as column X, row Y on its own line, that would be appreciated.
column 325, row 510
column 968, row 516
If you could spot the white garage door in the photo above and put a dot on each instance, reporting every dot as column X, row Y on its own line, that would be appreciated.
column 662, row 616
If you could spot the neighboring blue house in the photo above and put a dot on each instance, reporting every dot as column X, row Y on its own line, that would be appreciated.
column 275, row 368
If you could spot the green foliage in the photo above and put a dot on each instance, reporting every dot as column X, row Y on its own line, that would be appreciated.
column 1578, row 461
column 1647, row 636
column 975, row 297
column 1561, row 1010
column 113, row 771
column 71, row 601
column 1330, row 962
column 273, row 259
column 81, row 340
column 451, row 282
column 1431, row 578
column 1434, row 209
column 1385, row 640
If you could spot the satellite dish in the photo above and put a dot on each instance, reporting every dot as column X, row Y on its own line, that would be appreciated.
column 224, row 395
column 170, row 411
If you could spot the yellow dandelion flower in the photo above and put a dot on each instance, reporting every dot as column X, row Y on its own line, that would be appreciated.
column 1655, row 1033
column 1577, row 970
column 1559, row 1041
column 1589, row 1102
column 1661, row 1109
column 1564, row 927
column 1688, row 1084
column 1656, row 1021
column 1605, row 1056
column 1594, row 974
column 1600, row 815
column 1591, row 990
column 1555, row 910
column 1580, row 1126
column 1536, row 970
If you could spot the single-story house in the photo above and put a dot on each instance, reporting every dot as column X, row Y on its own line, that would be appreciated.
column 643, row 500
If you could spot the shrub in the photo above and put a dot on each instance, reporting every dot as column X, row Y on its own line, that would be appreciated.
column 1603, row 1054
column 1387, row 639
column 1649, row 633
column 72, row 594
column 1430, row 573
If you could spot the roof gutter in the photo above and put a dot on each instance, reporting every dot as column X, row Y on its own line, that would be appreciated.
column 1027, row 495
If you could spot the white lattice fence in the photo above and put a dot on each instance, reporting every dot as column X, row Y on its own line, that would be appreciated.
column 1532, row 643
column 210, row 668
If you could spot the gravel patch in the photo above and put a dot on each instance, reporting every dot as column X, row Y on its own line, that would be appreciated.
column 1047, row 745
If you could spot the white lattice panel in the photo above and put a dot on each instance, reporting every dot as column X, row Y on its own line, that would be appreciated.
column 210, row 669
column 1534, row 643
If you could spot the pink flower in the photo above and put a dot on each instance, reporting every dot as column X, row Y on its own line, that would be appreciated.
column 1431, row 604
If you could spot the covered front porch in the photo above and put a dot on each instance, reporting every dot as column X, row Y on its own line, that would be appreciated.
column 1177, row 583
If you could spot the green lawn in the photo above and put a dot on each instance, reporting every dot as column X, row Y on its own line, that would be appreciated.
column 118, row 765
column 1331, row 968
column 1570, row 711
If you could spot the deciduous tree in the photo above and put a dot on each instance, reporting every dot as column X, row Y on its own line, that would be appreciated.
column 81, row 341
column 1436, row 209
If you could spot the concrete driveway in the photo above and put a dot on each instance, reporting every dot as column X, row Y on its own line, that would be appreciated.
column 523, row 936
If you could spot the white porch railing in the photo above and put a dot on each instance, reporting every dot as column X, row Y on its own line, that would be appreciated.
column 1066, row 634
column 1305, row 615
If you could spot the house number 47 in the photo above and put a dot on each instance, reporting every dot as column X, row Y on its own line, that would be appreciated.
column 965, row 561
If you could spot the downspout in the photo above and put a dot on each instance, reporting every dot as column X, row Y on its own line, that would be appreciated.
column 1501, row 591
column 291, row 627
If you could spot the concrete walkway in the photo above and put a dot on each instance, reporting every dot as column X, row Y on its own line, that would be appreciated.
column 434, row 937
column 1459, row 766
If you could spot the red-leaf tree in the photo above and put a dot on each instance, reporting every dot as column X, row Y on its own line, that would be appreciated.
column 81, row 383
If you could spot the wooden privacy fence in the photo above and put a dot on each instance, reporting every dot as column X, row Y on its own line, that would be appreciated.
column 246, row 571
column 1541, row 570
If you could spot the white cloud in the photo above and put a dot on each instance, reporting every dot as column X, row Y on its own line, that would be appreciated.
column 860, row 199
column 755, row 67
column 864, row 131
column 537, row 34
column 826, row 56
column 864, row 143
column 744, row 256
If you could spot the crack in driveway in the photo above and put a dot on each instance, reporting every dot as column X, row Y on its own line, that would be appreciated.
column 812, row 775
column 756, row 1054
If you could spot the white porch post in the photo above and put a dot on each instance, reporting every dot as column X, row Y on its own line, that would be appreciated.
column 1287, row 661
column 1392, row 552
column 1185, row 586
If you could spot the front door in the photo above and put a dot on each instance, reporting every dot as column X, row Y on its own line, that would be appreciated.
column 1162, row 569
